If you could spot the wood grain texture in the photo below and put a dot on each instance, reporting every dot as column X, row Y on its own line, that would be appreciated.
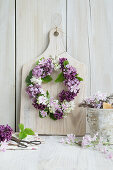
column 101, row 45
column 54, row 156
column 77, row 33
column 34, row 20
column 7, row 62
column 89, row 29
column 75, row 121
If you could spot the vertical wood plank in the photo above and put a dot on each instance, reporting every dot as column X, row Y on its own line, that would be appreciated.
column 34, row 21
column 101, row 45
column 77, row 33
column 78, row 36
column 7, row 62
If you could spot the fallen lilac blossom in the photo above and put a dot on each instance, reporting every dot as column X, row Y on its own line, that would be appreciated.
column 4, row 145
column 94, row 143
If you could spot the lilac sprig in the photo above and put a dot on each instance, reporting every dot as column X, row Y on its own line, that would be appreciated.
column 43, row 69
column 71, row 81
column 5, row 133
column 96, row 143
column 33, row 90
column 61, row 62
column 67, row 95
column 70, row 139
column 38, row 106
column 4, row 146
column 95, row 101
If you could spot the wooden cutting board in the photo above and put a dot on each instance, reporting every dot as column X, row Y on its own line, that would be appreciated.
column 76, row 120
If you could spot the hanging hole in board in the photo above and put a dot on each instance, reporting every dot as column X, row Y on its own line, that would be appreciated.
column 56, row 33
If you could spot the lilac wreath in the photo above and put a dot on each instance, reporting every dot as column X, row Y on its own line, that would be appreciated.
column 41, row 73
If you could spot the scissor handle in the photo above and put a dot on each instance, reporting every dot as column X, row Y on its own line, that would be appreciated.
column 31, row 142
column 19, row 142
column 35, row 142
column 21, row 145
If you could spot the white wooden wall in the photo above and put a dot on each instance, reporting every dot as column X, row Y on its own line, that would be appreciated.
column 24, row 27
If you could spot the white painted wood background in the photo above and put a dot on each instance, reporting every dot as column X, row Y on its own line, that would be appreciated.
column 24, row 27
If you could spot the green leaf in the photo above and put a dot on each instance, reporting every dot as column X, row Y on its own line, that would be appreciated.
column 22, row 135
column 27, row 80
column 47, row 94
column 21, row 127
column 51, row 115
column 37, row 62
column 65, row 63
column 60, row 78
column 29, row 131
column 79, row 78
column 39, row 95
column 46, row 79
column 46, row 109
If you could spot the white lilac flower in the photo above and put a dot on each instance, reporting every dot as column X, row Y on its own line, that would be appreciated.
column 43, row 113
column 36, row 80
column 94, row 138
column 53, row 105
column 72, row 104
column 55, row 61
column 68, row 106
column 42, row 91
column 42, row 100
column 56, row 66
column 100, row 96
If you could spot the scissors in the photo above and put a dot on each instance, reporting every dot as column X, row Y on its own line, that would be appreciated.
column 23, row 143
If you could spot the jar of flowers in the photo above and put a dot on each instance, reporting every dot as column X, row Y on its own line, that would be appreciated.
column 100, row 114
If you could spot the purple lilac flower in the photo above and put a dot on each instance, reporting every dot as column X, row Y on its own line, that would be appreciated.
column 70, row 139
column 67, row 95
column 58, row 114
column 33, row 90
column 61, row 61
column 69, row 72
column 37, row 71
column 5, row 133
column 44, row 68
column 38, row 106
column 43, row 113
column 71, row 82
column 72, row 85
column 96, row 101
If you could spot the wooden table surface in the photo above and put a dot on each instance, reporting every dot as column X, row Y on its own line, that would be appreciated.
column 54, row 156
